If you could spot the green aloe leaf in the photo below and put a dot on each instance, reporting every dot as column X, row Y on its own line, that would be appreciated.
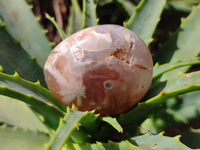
column 113, row 122
column 75, row 18
column 14, row 58
column 180, row 84
column 18, row 139
column 158, row 70
column 67, row 125
column 90, row 123
column 183, row 44
column 1, row 68
column 145, row 18
column 179, row 110
column 60, row 30
column 89, row 14
column 126, row 6
column 22, row 25
column 183, row 5
column 191, row 138
column 190, row 107
column 79, row 136
column 107, row 146
column 15, row 82
column 39, row 98
column 49, row 115
column 17, row 113
column 159, row 141
column 103, row 2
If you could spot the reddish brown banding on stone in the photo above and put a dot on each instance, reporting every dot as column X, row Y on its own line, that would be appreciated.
column 142, row 67
column 121, row 54
column 106, row 99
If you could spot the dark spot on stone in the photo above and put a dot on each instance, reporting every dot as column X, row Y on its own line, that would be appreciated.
column 108, row 85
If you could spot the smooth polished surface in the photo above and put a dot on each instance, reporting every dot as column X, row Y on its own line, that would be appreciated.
column 107, row 68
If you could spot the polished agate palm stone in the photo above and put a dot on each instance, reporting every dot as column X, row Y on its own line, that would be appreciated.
column 106, row 68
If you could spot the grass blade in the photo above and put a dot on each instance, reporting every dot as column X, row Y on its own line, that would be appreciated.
column 75, row 18
column 89, row 14
column 60, row 31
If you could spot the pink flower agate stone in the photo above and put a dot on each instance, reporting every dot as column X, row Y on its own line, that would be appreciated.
column 106, row 67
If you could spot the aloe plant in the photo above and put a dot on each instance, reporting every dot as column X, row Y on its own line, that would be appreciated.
column 32, row 118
